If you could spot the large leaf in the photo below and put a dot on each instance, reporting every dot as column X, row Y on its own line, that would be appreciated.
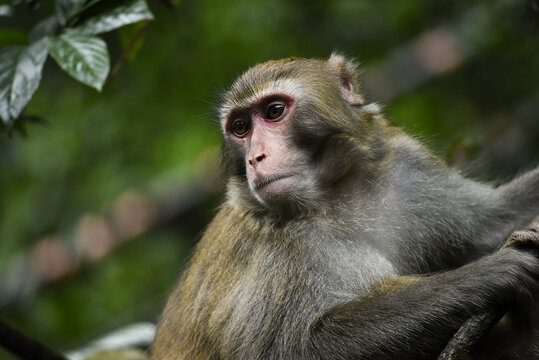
column 45, row 27
column 133, row 11
column 66, row 9
column 20, row 74
column 85, row 57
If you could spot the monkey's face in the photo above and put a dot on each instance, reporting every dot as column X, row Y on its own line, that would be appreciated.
column 261, row 137
column 287, row 126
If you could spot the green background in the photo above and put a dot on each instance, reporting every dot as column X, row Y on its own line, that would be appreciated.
column 152, row 132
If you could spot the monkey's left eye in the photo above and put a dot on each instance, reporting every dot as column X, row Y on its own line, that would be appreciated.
column 240, row 127
column 274, row 111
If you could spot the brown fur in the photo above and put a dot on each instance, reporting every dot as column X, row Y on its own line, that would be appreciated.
column 379, row 251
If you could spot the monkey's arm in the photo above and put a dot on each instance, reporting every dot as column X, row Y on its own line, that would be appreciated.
column 522, row 194
column 424, row 311
column 477, row 326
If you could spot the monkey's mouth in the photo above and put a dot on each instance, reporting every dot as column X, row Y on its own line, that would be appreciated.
column 265, row 181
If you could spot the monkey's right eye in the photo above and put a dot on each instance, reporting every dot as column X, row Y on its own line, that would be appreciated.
column 240, row 127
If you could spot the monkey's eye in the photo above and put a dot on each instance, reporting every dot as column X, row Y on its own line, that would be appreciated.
column 240, row 127
column 274, row 111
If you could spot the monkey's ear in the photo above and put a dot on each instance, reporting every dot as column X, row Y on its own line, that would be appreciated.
column 348, row 76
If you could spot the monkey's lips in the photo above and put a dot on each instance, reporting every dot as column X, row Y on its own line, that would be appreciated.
column 274, row 184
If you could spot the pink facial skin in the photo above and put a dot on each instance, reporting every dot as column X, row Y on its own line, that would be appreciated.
column 262, row 132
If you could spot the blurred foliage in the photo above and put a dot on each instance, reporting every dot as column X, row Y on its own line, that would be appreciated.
column 152, row 126
column 69, row 37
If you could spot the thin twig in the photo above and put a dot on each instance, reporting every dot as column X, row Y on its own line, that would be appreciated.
column 134, row 40
column 25, row 347
column 129, row 49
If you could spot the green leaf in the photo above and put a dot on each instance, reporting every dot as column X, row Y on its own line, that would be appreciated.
column 133, row 11
column 20, row 74
column 90, row 3
column 84, row 57
column 45, row 27
column 66, row 9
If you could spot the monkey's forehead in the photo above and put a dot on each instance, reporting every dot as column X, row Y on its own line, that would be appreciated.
column 286, row 76
column 257, row 92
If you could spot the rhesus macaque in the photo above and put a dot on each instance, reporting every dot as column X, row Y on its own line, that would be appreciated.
column 341, row 236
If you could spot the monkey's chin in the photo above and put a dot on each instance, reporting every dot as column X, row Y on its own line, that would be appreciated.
column 277, row 189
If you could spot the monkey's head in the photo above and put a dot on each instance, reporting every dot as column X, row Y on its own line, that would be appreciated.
column 293, row 128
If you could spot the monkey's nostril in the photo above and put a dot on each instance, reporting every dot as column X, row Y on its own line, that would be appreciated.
column 254, row 160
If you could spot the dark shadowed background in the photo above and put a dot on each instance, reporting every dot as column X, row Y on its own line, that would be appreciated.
column 100, row 207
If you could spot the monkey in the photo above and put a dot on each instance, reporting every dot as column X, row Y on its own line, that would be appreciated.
column 341, row 236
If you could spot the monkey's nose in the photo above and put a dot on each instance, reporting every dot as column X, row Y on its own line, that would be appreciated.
column 255, row 160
